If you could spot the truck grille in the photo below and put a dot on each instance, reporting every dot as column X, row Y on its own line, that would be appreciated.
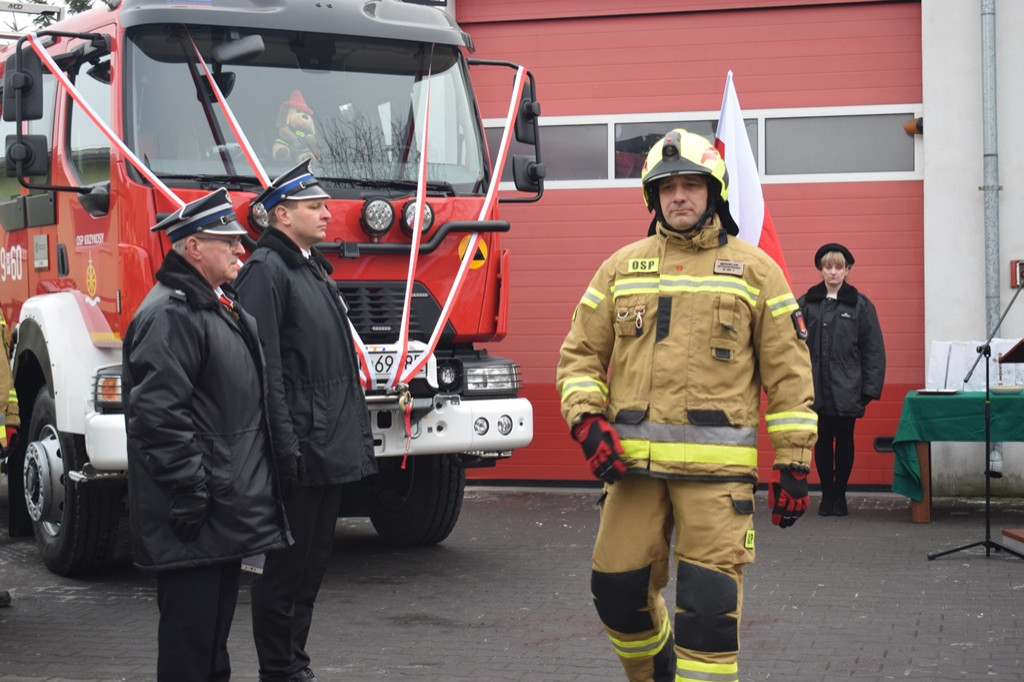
column 375, row 309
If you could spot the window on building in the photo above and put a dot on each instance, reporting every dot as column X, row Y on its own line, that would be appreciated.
column 838, row 144
column 569, row 152
column 816, row 147
column 634, row 140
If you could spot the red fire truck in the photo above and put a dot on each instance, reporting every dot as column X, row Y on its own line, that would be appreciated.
column 115, row 117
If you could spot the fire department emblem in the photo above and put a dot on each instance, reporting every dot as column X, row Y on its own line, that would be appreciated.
column 90, row 283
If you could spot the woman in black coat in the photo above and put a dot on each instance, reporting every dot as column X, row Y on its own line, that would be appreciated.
column 848, row 361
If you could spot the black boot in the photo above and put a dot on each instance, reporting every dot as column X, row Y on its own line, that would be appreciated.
column 839, row 509
column 828, row 499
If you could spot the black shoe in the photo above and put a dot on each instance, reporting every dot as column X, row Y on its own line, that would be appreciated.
column 304, row 675
column 827, row 507
column 840, row 506
column 5, row 598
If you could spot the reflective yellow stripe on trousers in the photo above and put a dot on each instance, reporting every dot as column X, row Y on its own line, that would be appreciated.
column 696, row 671
column 642, row 647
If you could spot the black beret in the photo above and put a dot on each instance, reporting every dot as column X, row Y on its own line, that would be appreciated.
column 828, row 248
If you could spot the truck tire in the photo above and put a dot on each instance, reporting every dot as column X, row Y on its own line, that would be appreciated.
column 420, row 504
column 82, row 541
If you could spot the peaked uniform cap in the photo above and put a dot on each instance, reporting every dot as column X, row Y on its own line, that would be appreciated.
column 211, row 214
column 297, row 183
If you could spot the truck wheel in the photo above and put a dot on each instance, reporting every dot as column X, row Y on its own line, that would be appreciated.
column 75, row 524
column 420, row 504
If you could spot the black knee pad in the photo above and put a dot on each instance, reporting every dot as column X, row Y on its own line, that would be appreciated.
column 619, row 597
column 706, row 599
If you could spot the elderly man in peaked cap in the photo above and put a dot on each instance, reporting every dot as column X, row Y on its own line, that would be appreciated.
column 304, row 326
column 201, row 479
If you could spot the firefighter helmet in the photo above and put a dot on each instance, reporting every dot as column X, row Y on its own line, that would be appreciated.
column 680, row 152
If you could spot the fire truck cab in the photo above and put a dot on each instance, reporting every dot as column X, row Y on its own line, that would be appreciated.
column 113, row 117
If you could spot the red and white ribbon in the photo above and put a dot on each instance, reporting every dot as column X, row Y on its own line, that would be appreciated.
column 467, row 257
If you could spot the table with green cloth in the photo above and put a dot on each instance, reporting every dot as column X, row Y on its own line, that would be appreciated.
column 958, row 417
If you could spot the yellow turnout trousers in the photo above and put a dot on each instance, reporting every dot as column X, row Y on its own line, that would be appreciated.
column 713, row 540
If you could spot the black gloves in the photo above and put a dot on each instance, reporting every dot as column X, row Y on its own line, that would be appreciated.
column 188, row 512
column 601, row 447
column 787, row 496
column 290, row 471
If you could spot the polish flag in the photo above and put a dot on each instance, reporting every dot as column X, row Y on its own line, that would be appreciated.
column 746, row 202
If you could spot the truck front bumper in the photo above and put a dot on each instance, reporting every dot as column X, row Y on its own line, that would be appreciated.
column 106, row 442
column 453, row 425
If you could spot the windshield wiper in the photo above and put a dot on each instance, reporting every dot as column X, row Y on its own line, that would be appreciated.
column 210, row 181
column 436, row 186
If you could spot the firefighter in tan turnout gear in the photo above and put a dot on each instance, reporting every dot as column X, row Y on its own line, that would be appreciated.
column 660, row 380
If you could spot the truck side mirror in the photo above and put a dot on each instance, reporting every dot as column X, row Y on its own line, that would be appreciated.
column 29, row 82
column 527, row 174
column 526, row 119
column 28, row 158
column 97, row 201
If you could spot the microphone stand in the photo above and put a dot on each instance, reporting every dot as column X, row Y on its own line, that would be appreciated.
column 985, row 350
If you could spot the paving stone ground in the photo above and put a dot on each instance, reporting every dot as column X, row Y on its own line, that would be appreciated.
column 506, row 599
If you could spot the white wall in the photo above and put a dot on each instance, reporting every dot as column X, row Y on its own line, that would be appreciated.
column 954, row 232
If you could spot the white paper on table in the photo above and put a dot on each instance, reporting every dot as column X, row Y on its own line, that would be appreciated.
column 950, row 361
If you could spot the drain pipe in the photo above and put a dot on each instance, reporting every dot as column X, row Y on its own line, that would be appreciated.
column 990, row 188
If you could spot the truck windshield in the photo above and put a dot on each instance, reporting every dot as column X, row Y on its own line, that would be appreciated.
column 356, row 106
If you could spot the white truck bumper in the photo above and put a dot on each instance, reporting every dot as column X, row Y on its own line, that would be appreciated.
column 449, row 428
column 106, row 442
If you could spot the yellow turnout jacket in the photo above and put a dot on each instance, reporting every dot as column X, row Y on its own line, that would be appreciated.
column 673, row 341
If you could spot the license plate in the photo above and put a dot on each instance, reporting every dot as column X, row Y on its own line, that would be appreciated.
column 382, row 361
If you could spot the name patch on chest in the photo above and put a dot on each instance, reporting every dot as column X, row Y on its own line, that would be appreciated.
column 729, row 267
column 643, row 265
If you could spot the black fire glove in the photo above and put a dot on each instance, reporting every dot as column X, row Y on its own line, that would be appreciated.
column 188, row 512
column 787, row 495
column 290, row 471
column 601, row 447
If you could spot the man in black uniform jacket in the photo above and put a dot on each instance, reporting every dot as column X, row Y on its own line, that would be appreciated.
column 321, row 425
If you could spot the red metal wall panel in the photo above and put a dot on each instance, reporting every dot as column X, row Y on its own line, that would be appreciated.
column 829, row 55
column 819, row 56
column 529, row 10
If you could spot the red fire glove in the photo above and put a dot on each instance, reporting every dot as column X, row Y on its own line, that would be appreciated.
column 787, row 496
column 601, row 446
column 12, row 440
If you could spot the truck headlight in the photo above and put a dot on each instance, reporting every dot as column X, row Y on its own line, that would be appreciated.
column 409, row 217
column 449, row 374
column 107, row 390
column 504, row 424
column 378, row 217
column 481, row 426
column 503, row 378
